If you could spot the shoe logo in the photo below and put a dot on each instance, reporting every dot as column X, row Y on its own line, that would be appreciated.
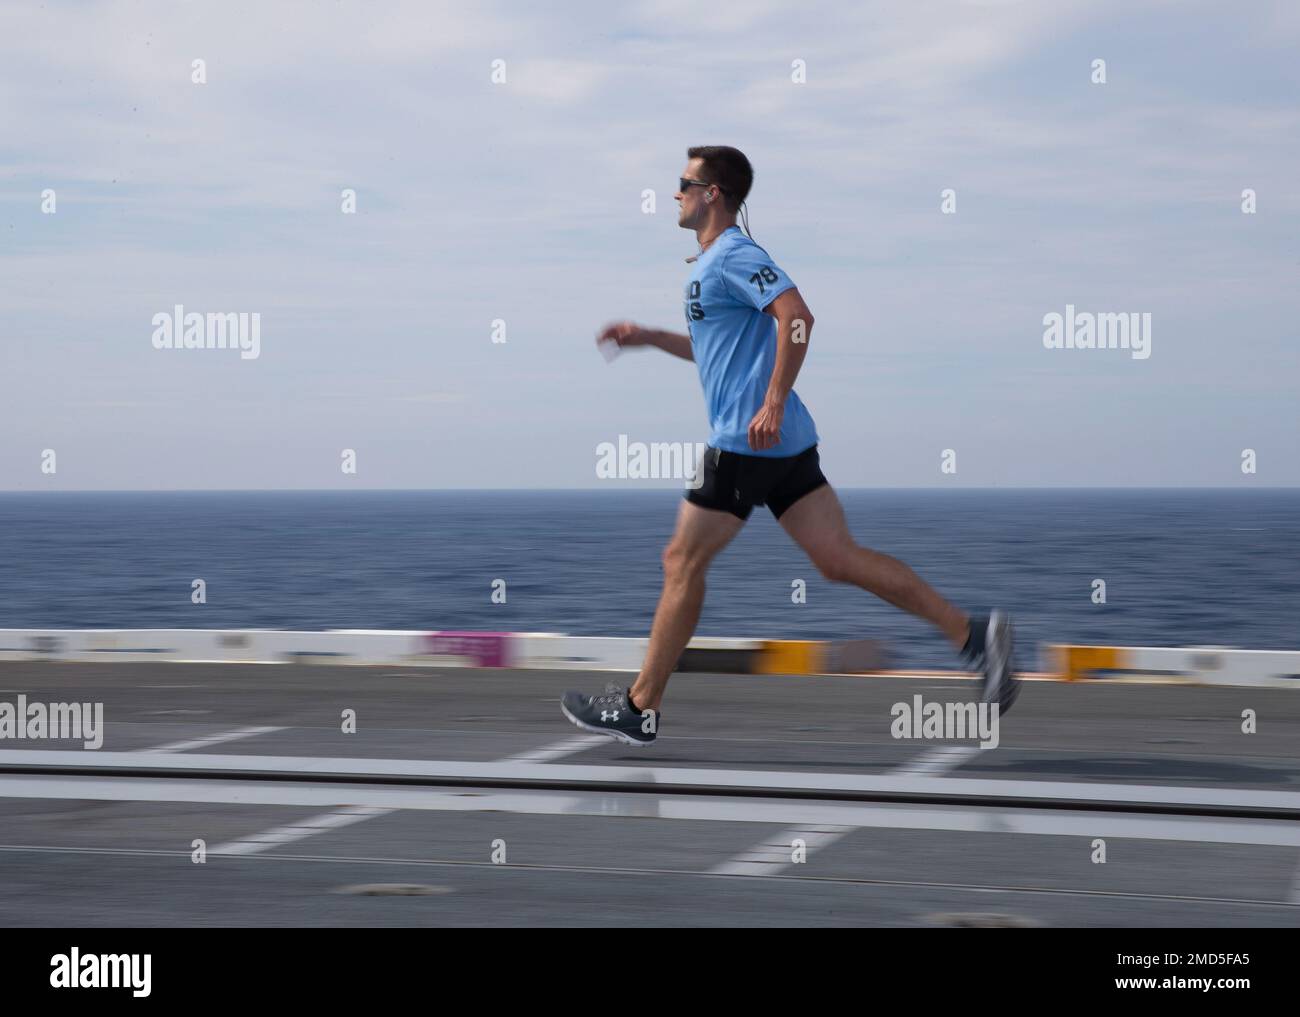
column 604, row 715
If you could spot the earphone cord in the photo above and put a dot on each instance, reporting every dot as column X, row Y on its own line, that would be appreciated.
column 744, row 218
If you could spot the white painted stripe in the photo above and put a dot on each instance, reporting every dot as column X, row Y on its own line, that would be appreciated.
column 282, row 835
column 355, row 814
column 297, row 831
column 940, row 759
column 177, row 713
column 668, row 777
column 212, row 739
column 558, row 750
column 777, row 853
column 1276, row 833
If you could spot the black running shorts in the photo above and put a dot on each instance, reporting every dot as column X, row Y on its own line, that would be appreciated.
column 735, row 483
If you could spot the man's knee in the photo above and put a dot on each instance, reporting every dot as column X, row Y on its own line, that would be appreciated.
column 681, row 561
column 833, row 563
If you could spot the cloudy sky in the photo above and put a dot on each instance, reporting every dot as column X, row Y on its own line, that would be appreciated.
column 522, row 201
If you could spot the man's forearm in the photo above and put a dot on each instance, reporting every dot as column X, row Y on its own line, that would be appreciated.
column 789, row 359
column 673, row 342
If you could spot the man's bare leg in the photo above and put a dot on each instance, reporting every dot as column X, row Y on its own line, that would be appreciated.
column 701, row 533
column 817, row 524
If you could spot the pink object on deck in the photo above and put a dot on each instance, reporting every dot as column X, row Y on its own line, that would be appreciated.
column 486, row 649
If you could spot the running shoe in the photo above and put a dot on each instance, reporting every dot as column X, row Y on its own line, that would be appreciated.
column 993, row 654
column 610, row 714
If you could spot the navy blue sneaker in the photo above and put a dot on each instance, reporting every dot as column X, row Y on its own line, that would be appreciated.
column 992, row 647
column 611, row 714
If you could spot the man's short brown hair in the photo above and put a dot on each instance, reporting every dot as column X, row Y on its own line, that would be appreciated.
column 728, row 169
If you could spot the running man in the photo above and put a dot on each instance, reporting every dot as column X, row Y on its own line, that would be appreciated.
column 749, row 331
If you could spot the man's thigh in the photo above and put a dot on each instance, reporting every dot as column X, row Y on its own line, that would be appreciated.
column 817, row 524
column 702, row 532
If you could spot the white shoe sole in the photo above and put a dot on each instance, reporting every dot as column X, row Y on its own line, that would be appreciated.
column 997, row 660
column 616, row 735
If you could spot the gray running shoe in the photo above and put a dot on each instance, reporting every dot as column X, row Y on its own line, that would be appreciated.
column 1001, row 686
column 611, row 714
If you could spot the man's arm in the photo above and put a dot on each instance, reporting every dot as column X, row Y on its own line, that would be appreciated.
column 673, row 342
column 629, row 333
column 793, row 329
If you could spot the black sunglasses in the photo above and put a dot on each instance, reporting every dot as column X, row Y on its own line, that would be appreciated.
column 685, row 182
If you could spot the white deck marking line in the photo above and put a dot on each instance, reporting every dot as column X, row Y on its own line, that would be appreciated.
column 176, row 713
column 290, row 832
column 352, row 814
column 940, row 759
column 776, row 853
column 558, row 750
column 757, row 782
column 283, row 834
column 356, row 813
column 212, row 739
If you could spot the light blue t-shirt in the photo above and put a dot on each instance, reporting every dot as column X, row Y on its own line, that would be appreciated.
column 734, row 343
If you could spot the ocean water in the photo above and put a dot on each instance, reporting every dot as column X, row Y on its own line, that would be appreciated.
column 1181, row 567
